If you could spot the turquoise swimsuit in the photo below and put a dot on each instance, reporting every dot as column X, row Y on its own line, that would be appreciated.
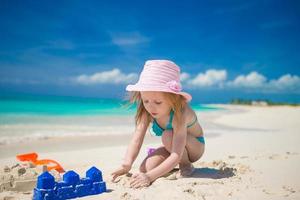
column 158, row 131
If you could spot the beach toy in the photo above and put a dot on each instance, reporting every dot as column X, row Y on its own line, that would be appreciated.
column 32, row 157
column 71, row 186
column 150, row 150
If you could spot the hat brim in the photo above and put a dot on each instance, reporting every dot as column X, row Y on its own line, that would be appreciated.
column 157, row 88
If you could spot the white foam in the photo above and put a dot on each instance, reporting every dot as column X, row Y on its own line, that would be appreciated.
column 20, row 133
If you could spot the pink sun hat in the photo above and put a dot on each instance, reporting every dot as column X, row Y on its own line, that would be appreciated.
column 161, row 76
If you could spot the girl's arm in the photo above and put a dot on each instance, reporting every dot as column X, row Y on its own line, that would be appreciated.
column 136, row 142
column 178, row 145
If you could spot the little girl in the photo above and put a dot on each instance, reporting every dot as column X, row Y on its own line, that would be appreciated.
column 161, row 102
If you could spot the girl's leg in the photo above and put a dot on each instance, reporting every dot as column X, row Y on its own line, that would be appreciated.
column 153, row 160
column 195, row 149
column 192, row 152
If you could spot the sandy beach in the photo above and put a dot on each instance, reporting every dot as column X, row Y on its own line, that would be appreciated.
column 251, row 152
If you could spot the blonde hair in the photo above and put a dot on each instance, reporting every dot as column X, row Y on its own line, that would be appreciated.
column 176, row 101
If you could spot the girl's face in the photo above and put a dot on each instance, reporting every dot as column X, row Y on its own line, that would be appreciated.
column 156, row 104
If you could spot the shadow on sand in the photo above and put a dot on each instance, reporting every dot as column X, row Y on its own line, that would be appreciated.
column 205, row 172
column 213, row 173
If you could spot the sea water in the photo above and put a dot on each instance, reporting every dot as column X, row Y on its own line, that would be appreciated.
column 25, row 117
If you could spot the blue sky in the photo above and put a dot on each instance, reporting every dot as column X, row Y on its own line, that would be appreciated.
column 226, row 49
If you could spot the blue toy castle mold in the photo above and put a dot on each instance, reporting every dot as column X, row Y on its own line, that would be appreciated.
column 71, row 186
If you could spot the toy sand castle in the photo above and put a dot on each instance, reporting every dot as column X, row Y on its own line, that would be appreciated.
column 71, row 186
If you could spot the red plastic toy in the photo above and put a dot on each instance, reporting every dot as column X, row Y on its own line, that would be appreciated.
column 32, row 157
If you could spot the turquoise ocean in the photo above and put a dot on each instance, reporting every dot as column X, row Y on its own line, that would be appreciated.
column 30, row 116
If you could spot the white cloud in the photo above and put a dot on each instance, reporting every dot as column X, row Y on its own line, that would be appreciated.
column 259, row 83
column 128, row 39
column 286, row 82
column 252, row 80
column 115, row 76
column 211, row 77
column 184, row 76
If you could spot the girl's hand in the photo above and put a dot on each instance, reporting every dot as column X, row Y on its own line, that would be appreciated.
column 140, row 180
column 124, row 169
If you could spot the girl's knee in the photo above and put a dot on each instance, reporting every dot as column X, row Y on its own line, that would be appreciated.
column 154, row 159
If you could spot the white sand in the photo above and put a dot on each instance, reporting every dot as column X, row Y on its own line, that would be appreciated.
column 251, row 153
